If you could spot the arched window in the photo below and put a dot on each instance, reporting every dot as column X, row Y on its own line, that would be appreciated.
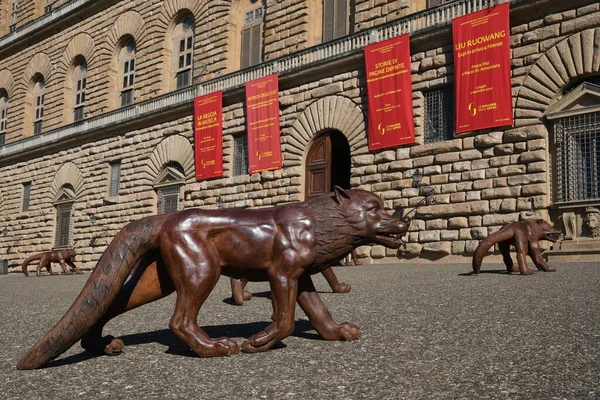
column 337, row 19
column 14, row 15
column 3, row 115
column 127, row 72
column 79, row 89
column 183, row 51
column 38, row 104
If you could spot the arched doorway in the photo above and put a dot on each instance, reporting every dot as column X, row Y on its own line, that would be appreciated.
column 327, row 163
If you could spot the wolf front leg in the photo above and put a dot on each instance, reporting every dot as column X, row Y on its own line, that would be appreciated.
column 535, row 252
column 522, row 246
column 284, row 290
column 319, row 315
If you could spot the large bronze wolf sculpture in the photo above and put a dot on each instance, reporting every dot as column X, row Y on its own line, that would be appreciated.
column 187, row 251
column 62, row 256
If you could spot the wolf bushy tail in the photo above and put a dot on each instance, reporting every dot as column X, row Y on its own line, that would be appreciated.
column 486, row 244
column 103, row 285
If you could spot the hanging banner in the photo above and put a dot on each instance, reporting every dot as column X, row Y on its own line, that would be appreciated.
column 208, row 135
column 482, row 69
column 262, row 124
column 389, row 93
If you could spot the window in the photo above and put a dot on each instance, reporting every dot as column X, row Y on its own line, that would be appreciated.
column 79, row 86
column 435, row 3
column 167, row 185
column 252, row 38
column 38, row 105
column 63, row 224
column 26, row 196
column 127, row 64
column 14, row 12
column 240, row 155
column 184, row 51
column 336, row 20
column 578, row 157
column 3, row 116
column 115, row 178
column 439, row 115
column 168, row 199
column 48, row 7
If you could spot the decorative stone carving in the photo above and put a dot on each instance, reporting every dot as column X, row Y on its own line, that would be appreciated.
column 592, row 221
column 570, row 224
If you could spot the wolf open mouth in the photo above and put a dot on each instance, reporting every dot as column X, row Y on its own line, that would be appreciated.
column 392, row 240
column 553, row 236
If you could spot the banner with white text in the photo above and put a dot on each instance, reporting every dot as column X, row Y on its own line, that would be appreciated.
column 262, row 124
column 482, row 69
column 389, row 93
column 208, row 135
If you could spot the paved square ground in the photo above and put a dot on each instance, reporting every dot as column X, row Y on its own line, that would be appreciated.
column 429, row 331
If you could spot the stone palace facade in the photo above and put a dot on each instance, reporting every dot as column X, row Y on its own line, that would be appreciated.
column 96, row 110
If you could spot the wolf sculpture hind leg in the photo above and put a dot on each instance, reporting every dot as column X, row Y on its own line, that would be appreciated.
column 148, row 283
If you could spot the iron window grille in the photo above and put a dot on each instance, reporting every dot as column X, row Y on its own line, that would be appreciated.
column 63, row 224
column 240, row 155
column 26, row 196
column 439, row 115
column 115, row 178
column 168, row 199
column 578, row 157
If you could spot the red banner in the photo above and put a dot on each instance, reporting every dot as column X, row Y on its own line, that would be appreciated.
column 208, row 135
column 482, row 69
column 389, row 93
column 262, row 124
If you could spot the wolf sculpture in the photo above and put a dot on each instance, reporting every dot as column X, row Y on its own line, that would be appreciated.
column 187, row 251
column 525, row 235
column 62, row 256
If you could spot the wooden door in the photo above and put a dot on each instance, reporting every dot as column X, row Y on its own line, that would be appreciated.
column 318, row 167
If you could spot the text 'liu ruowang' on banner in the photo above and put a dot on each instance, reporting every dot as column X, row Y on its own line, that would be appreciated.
column 389, row 93
column 482, row 69
column 208, row 135
column 262, row 124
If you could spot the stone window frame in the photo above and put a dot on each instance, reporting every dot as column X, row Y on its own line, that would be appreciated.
column 239, row 161
column 315, row 22
column 38, row 92
column 79, row 81
column 126, row 61
column 184, row 41
column 446, row 91
column 63, row 203
column 14, row 12
column 114, row 179
column 169, row 185
column 578, row 104
column 26, row 198
column 252, row 37
column 4, row 106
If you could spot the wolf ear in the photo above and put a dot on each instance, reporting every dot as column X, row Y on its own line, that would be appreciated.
column 341, row 195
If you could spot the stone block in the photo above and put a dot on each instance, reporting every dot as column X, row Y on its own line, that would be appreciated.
column 472, row 154
column 503, row 149
column 436, row 224
column 487, row 140
column 512, row 170
column 500, row 219
column 438, row 248
column 448, row 235
column 501, row 192
column 429, row 236
column 436, row 148
column 441, row 210
column 535, row 189
column 458, row 247
column 458, row 222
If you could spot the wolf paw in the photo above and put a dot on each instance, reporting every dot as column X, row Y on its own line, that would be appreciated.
column 349, row 331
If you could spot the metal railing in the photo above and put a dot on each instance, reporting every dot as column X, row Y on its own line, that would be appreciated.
column 414, row 23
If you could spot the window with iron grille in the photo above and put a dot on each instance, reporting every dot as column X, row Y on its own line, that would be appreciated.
column 185, row 52
column 3, row 112
column 63, row 224
column 48, row 7
column 335, row 19
column 79, row 83
column 168, row 199
column 127, row 60
column 439, row 115
column 252, row 32
column 578, row 157
column 435, row 3
column 26, row 196
column 240, row 155
column 38, row 105
column 115, row 178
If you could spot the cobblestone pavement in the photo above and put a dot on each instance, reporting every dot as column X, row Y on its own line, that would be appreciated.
column 429, row 331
